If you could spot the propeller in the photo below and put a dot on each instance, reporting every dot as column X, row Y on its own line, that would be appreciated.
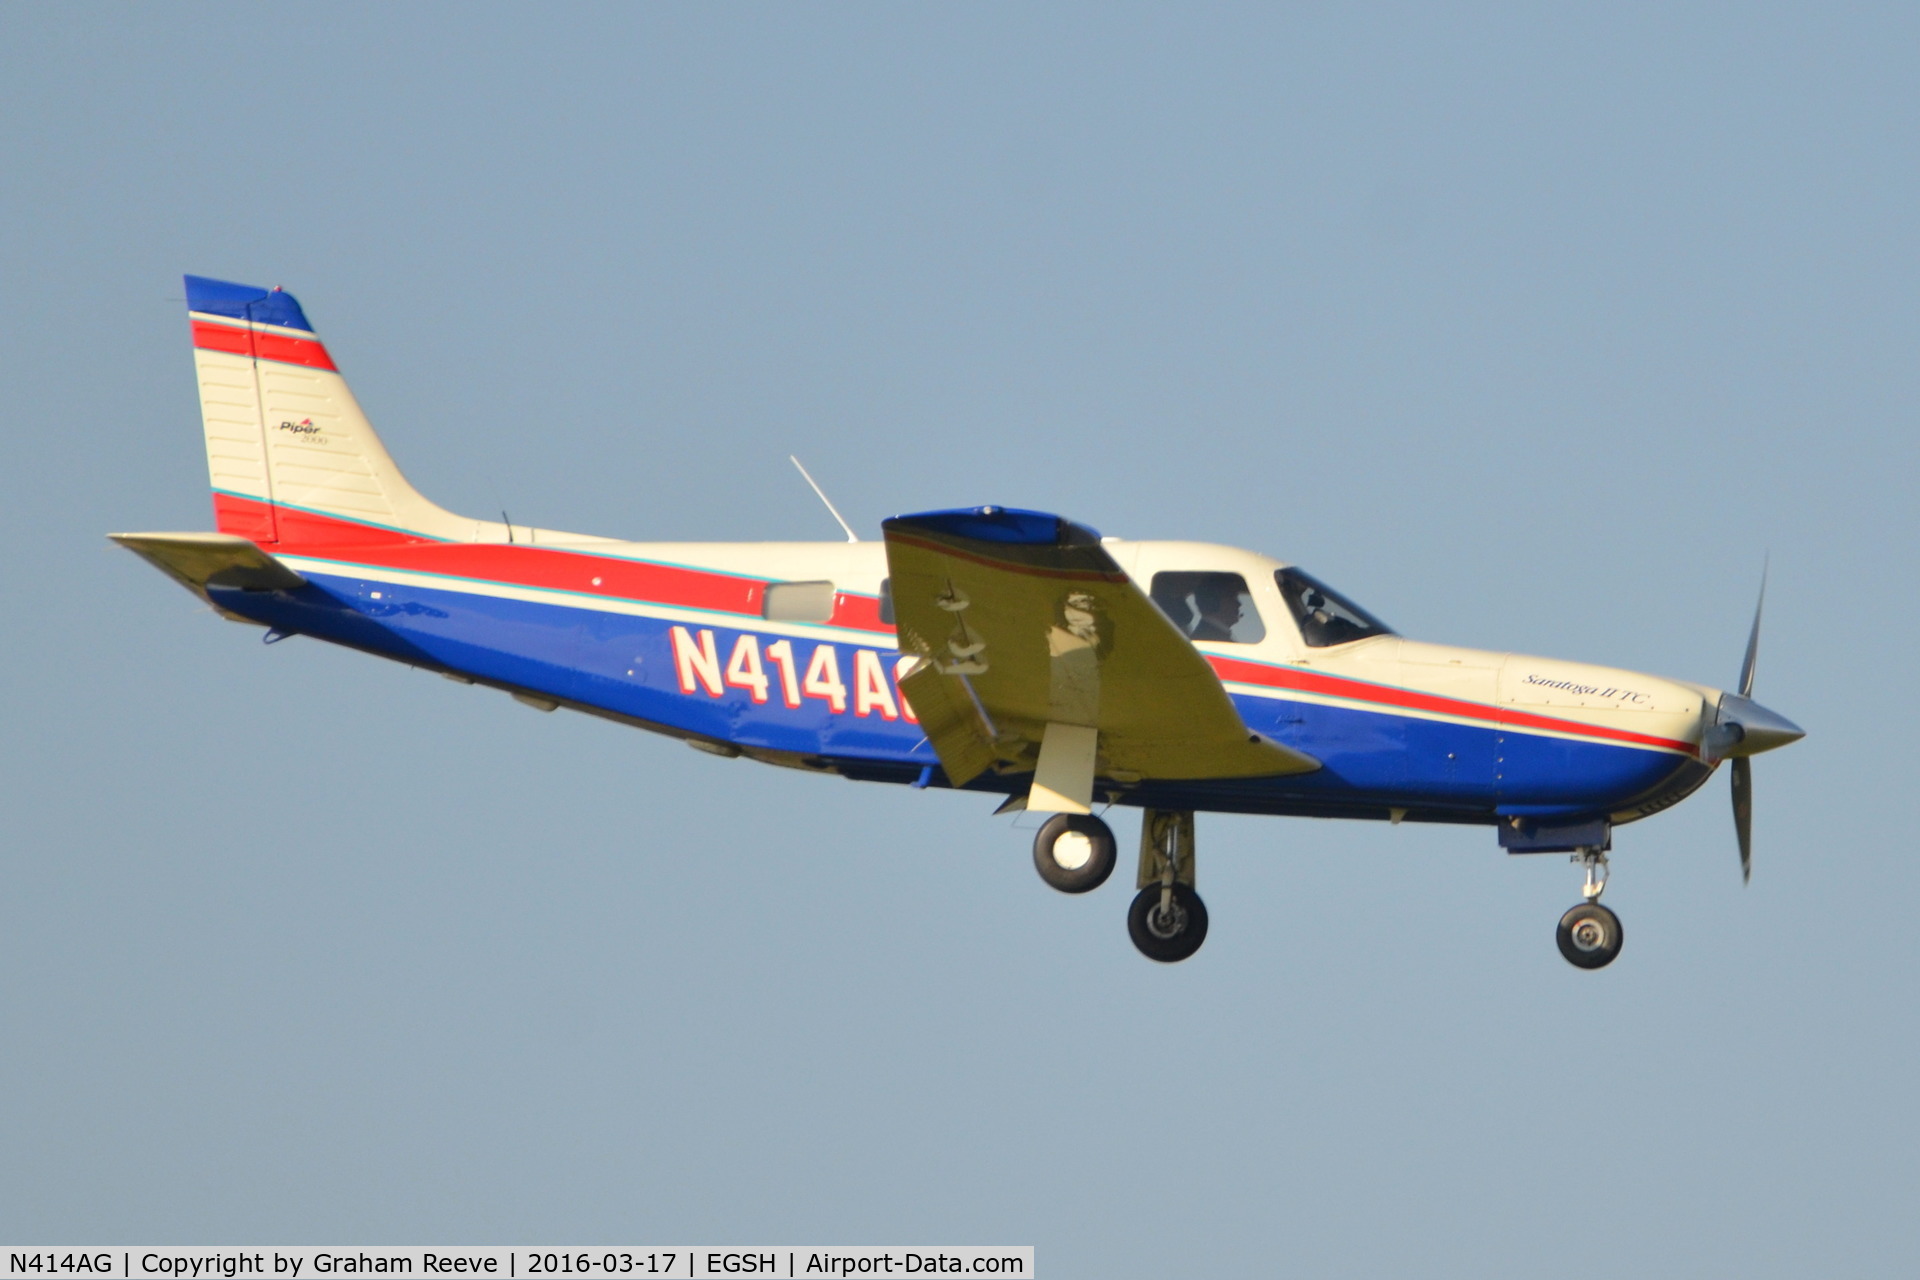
column 1742, row 729
column 1742, row 770
column 1743, row 813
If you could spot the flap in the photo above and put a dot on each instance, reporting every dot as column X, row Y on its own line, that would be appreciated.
column 1022, row 619
column 223, row 559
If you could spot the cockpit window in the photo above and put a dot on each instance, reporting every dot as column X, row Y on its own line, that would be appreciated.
column 1325, row 616
column 1209, row 606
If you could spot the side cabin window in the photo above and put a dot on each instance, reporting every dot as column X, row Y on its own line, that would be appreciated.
column 798, row 602
column 1209, row 606
column 1325, row 616
column 886, row 601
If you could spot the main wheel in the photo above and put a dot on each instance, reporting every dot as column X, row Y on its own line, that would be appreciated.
column 1171, row 935
column 1074, row 852
column 1590, row 936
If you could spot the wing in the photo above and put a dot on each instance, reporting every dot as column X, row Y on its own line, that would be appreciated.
column 1039, row 653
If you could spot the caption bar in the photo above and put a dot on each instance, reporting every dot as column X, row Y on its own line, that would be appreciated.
column 282, row 1262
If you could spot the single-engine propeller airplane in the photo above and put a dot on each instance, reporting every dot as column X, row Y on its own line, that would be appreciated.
column 988, row 649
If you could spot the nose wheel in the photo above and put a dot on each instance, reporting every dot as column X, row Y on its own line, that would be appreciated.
column 1589, row 934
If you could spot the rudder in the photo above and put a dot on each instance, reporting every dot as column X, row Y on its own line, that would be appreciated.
column 291, row 456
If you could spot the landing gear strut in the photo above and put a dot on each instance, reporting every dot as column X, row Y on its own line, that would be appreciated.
column 1590, row 935
column 1167, row 921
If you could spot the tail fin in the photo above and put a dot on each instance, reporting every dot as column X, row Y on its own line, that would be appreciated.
column 292, row 458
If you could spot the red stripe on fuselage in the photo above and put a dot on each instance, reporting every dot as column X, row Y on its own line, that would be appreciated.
column 553, row 570
column 251, row 518
column 1385, row 695
column 244, row 517
column 331, row 538
column 307, row 533
column 859, row 613
column 261, row 346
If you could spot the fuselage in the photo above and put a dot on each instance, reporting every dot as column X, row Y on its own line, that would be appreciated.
column 784, row 653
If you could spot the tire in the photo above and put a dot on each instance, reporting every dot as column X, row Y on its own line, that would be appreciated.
column 1590, row 936
column 1074, row 852
column 1167, row 941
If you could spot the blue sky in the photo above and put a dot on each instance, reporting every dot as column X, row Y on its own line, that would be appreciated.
column 1530, row 329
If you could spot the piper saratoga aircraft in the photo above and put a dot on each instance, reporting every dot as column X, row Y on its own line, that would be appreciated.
column 987, row 649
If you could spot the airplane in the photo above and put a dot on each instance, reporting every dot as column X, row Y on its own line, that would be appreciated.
column 990, row 649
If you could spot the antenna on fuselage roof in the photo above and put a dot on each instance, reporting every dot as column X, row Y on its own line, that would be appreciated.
column 505, row 519
column 822, row 495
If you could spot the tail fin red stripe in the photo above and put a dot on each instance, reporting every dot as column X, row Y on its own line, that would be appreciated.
column 261, row 346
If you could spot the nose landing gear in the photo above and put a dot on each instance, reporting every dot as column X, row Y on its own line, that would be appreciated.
column 1590, row 935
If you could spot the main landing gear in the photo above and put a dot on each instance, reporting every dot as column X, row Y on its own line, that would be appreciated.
column 1074, row 852
column 1167, row 921
column 1590, row 935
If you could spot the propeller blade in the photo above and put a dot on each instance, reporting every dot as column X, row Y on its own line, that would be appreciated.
column 1753, row 637
column 1743, row 813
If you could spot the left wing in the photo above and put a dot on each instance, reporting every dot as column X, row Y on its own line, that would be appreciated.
column 1039, row 653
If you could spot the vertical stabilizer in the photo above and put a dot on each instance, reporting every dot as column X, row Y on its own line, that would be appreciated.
column 292, row 458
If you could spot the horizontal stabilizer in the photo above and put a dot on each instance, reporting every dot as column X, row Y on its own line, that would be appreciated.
column 195, row 560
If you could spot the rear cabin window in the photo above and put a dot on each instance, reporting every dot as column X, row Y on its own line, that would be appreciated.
column 1209, row 606
column 798, row 602
column 1325, row 616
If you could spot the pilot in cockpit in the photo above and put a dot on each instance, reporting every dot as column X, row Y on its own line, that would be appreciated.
column 1217, row 604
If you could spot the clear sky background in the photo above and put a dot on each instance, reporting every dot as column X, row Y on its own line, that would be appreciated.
column 1531, row 330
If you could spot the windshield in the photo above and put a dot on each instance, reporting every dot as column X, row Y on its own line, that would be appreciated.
column 1325, row 616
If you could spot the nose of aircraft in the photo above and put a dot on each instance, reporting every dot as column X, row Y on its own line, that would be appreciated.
column 1747, row 728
